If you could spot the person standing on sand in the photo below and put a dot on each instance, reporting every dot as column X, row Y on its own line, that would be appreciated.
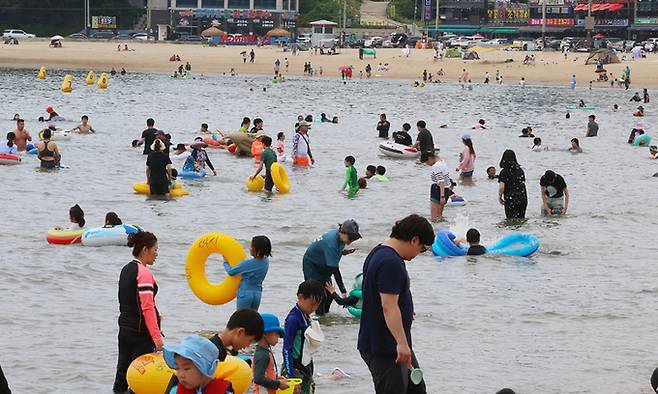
column 252, row 56
column 465, row 76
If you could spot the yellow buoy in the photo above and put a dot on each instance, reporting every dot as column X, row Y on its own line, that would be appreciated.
column 67, row 84
column 149, row 374
column 42, row 73
column 103, row 81
column 91, row 78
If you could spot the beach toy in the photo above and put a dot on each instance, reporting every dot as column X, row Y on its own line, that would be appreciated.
column 91, row 78
column 211, row 141
column 42, row 74
column 57, row 135
column 358, row 293
column 64, row 237
column 9, row 159
column 108, row 236
column 232, row 148
column 149, row 374
column 517, row 244
column 391, row 149
column 256, row 184
column 67, row 84
column 176, row 191
column 292, row 383
column 302, row 161
column 192, row 174
column 256, row 150
column 280, row 178
column 103, row 81
column 455, row 202
column 195, row 267
column 642, row 140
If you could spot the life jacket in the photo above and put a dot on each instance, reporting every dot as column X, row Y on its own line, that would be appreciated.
column 217, row 386
column 270, row 373
column 257, row 149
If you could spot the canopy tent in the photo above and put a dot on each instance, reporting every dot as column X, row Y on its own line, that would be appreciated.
column 213, row 32
column 278, row 32
column 471, row 55
column 600, row 7
column 608, row 56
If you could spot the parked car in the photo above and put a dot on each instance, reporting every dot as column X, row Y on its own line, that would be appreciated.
column 103, row 35
column 373, row 42
column 77, row 36
column 17, row 34
column 192, row 38
column 142, row 36
column 651, row 44
column 123, row 37
column 357, row 43
column 411, row 41
column 497, row 42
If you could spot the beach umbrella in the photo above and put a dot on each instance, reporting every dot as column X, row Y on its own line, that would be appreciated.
column 53, row 38
column 598, row 36
column 278, row 32
column 213, row 31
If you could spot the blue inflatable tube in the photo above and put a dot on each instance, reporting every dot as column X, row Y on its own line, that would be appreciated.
column 642, row 140
column 192, row 174
column 517, row 244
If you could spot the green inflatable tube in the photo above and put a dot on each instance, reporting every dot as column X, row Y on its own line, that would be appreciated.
column 356, row 312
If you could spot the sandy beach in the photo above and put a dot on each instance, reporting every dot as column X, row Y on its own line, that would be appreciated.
column 550, row 68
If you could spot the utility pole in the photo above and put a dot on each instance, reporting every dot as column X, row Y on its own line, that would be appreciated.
column 589, row 17
column 148, row 14
column 436, row 22
column 415, row 14
column 543, row 23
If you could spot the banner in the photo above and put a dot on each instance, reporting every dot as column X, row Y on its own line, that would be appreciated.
column 604, row 22
column 504, row 13
column 428, row 10
column 244, row 40
column 646, row 21
column 551, row 22
column 103, row 22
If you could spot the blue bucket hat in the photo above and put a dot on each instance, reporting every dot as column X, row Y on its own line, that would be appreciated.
column 466, row 136
column 271, row 323
column 200, row 351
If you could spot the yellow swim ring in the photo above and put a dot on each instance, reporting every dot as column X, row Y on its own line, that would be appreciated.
column 195, row 267
column 280, row 178
column 176, row 191
column 256, row 184
column 149, row 374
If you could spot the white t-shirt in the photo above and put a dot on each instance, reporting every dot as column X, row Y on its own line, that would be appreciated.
column 180, row 158
column 440, row 172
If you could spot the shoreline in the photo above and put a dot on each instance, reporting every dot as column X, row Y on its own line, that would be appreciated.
column 550, row 68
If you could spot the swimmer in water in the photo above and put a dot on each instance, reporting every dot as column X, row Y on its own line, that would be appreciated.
column 537, row 146
column 581, row 104
column 473, row 240
column 16, row 117
column 22, row 135
column 639, row 112
column 479, row 125
column 526, row 132
column 9, row 148
column 491, row 172
column 84, row 127
column 615, row 107
column 323, row 118
column 653, row 152
column 111, row 220
column 52, row 115
column 334, row 119
column 575, row 146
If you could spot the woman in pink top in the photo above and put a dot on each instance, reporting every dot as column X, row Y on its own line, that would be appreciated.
column 466, row 158
column 279, row 147
column 139, row 320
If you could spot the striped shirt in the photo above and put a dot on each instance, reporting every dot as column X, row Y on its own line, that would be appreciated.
column 440, row 173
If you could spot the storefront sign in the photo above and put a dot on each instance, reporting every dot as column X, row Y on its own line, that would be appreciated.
column 372, row 22
column 103, row 22
column 215, row 13
column 504, row 13
column 604, row 22
column 237, row 39
column 551, row 22
column 646, row 21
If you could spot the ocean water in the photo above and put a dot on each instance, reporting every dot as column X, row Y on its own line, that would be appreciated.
column 577, row 317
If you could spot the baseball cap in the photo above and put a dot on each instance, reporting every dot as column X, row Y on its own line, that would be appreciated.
column 351, row 227
column 304, row 123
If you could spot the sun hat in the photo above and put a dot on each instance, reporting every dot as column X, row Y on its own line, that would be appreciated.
column 200, row 351
column 198, row 143
column 304, row 123
column 271, row 323
column 351, row 227
column 466, row 136
column 180, row 147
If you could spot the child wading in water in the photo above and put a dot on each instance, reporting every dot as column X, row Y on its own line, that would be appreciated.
column 195, row 361
column 266, row 379
column 351, row 180
column 309, row 297
column 253, row 273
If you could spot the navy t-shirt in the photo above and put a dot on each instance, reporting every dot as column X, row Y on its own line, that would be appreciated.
column 384, row 271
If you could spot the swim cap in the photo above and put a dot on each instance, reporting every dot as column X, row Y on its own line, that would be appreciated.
column 50, row 110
